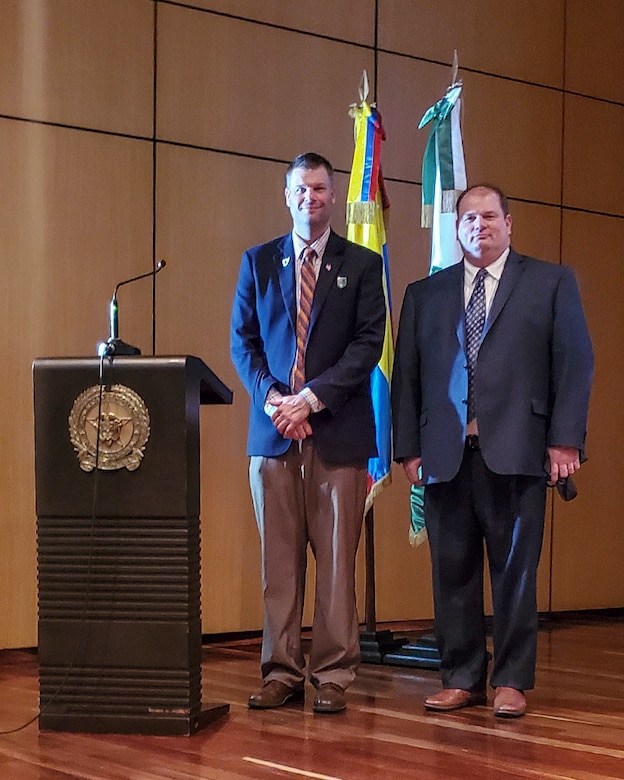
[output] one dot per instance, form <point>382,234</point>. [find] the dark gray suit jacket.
<point>533,375</point>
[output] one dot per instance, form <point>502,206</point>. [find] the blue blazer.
<point>345,339</point>
<point>532,380</point>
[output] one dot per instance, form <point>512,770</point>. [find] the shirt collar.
<point>319,245</point>
<point>495,269</point>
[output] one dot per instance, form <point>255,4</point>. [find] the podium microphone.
<point>114,345</point>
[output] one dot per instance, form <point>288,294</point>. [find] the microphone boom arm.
<point>114,345</point>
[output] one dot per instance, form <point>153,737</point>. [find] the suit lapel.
<point>284,260</point>
<point>456,302</point>
<point>511,273</point>
<point>332,260</point>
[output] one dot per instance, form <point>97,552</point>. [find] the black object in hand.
<point>566,488</point>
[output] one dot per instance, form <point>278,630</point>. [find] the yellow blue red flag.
<point>366,202</point>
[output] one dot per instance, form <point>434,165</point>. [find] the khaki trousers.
<point>301,500</point>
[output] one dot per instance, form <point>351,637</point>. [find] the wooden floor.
<point>574,728</point>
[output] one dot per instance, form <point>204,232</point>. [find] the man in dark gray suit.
<point>490,394</point>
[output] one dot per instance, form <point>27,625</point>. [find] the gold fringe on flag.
<point>361,213</point>
<point>426,215</point>
<point>449,201</point>
<point>416,538</point>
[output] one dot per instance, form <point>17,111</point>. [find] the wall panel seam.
<point>250,156</point>
<point>271,25</point>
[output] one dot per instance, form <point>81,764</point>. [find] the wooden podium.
<point>118,501</point>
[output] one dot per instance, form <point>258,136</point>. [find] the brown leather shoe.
<point>509,703</point>
<point>329,698</point>
<point>454,699</point>
<point>273,694</point>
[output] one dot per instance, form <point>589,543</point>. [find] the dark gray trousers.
<point>505,515</point>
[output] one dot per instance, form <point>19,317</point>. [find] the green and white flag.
<point>443,180</point>
<point>443,177</point>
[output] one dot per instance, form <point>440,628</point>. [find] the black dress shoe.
<point>273,694</point>
<point>329,698</point>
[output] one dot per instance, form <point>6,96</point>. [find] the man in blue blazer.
<point>307,330</point>
<point>484,435</point>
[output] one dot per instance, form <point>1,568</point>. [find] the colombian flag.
<point>366,201</point>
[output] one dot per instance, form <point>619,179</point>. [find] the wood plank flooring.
<point>574,728</point>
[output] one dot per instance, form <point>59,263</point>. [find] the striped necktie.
<point>306,295</point>
<point>475,320</point>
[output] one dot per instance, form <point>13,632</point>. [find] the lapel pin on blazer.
<point>341,281</point>
<point>328,266</point>
<point>285,261</point>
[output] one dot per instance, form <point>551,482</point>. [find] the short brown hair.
<point>496,190</point>
<point>310,161</point>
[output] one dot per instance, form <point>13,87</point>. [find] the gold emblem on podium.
<point>123,425</point>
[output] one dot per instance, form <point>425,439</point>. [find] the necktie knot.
<point>481,274</point>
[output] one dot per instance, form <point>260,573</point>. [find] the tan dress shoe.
<point>509,703</point>
<point>273,694</point>
<point>329,698</point>
<point>454,699</point>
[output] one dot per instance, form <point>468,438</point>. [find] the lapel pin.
<point>285,261</point>
<point>341,281</point>
<point>328,266</point>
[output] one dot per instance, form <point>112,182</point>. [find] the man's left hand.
<point>291,417</point>
<point>562,462</point>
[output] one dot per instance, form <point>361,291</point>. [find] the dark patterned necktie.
<point>475,320</point>
<point>306,295</point>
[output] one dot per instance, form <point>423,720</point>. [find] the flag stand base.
<point>382,647</point>
<point>376,645</point>
<point>420,654</point>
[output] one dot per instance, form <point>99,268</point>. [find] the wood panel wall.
<point>132,130</point>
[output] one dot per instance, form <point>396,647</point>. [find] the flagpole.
<point>376,647</point>
<point>366,201</point>
<point>371,593</point>
<point>443,177</point>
